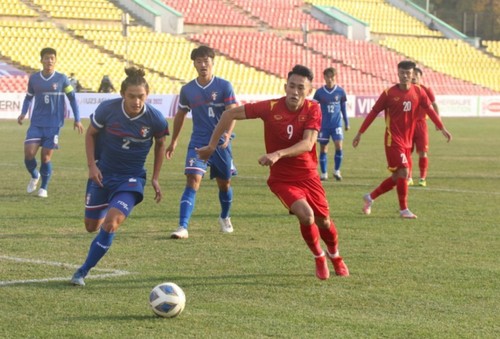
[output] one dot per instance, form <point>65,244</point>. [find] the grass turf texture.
<point>434,277</point>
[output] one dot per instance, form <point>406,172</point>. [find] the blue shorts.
<point>97,198</point>
<point>220,163</point>
<point>47,137</point>
<point>335,133</point>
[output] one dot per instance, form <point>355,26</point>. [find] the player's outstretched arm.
<point>226,121</point>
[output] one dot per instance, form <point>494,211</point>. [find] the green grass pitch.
<point>434,277</point>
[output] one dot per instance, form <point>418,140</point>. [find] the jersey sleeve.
<point>314,121</point>
<point>258,109</point>
<point>184,100</point>
<point>161,124</point>
<point>430,94</point>
<point>98,118</point>
<point>229,97</point>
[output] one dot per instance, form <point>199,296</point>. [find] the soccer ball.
<point>167,300</point>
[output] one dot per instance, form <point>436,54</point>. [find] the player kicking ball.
<point>291,126</point>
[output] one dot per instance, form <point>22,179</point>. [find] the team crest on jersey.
<point>54,86</point>
<point>214,95</point>
<point>396,98</point>
<point>302,117</point>
<point>145,131</point>
<point>278,117</point>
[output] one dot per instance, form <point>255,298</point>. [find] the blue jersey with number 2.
<point>124,142</point>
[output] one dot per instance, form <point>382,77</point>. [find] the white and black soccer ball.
<point>167,300</point>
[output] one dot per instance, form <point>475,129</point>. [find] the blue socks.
<point>226,199</point>
<point>31,167</point>
<point>339,155</point>
<point>98,248</point>
<point>186,207</point>
<point>46,172</point>
<point>323,162</point>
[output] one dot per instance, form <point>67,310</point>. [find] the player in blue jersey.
<point>332,99</point>
<point>48,88</point>
<point>206,97</point>
<point>117,143</point>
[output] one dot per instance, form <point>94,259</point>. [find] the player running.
<point>117,143</point>
<point>291,126</point>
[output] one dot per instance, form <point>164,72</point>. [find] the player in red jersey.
<point>400,104</point>
<point>421,134</point>
<point>291,126</point>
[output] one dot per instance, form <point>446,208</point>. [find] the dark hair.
<point>303,71</point>
<point>407,64</point>
<point>47,50</point>
<point>330,70</point>
<point>135,77</point>
<point>418,71</point>
<point>202,52</point>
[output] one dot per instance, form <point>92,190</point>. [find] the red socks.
<point>423,164</point>
<point>402,188</point>
<point>330,237</point>
<point>311,237</point>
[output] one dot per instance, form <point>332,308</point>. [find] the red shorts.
<point>309,189</point>
<point>397,157</point>
<point>421,137</point>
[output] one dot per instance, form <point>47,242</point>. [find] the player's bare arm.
<point>356,140</point>
<point>160,145</point>
<point>79,127</point>
<point>306,144</point>
<point>178,123</point>
<point>94,172</point>
<point>229,131</point>
<point>20,118</point>
<point>227,120</point>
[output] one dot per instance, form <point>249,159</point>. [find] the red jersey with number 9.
<point>284,128</point>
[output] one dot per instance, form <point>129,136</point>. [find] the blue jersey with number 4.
<point>123,143</point>
<point>206,104</point>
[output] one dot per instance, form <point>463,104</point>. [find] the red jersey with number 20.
<point>400,107</point>
<point>284,128</point>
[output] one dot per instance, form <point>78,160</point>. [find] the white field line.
<point>106,273</point>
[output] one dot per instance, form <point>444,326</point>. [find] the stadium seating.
<point>13,84</point>
<point>381,16</point>
<point>380,62</point>
<point>492,47</point>
<point>22,42</point>
<point>15,8</point>
<point>168,55</point>
<point>453,57</point>
<point>281,14</point>
<point>211,12</point>
<point>277,55</point>
<point>257,43</point>
<point>80,9</point>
